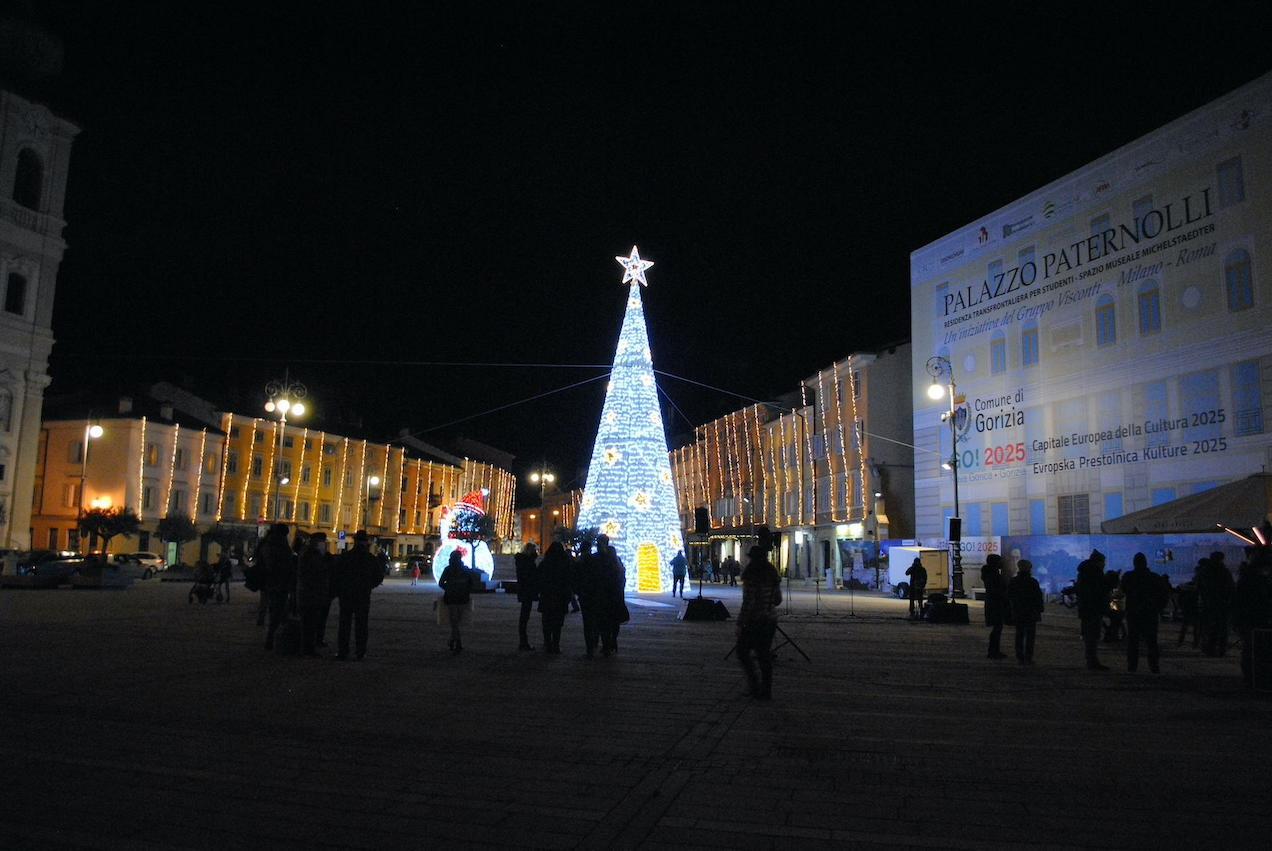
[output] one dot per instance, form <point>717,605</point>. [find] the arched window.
<point>1236,274</point>
<point>28,182</point>
<point>15,291</point>
<point>1105,321</point>
<point>1150,308</point>
<point>1029,343</point>
<point>997,352</point>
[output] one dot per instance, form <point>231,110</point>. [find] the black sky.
<point>282,182</point>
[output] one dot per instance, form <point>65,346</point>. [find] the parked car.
<point>151,560</point>
<point>132,566</point>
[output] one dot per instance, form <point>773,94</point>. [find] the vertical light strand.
<point>397,515</point>
<point>172,470</point>
<point>750,467</point>
<point>843,443</point>
<point>830,467</point>
<point>704,469</point>
<point>416,485</point>
<point>808,447</point>
<point>789,456</point>
<point>269,467</point>
<point>141,473</point>
<point>428,498</point>
<point>344,457</point>
<point>715,427</point>
<point>384,484</point>
<point>225,468</point>
<point>857,432</point>
<point>322,453</point>
<point>735,464</point>
<point>362,476</point>
<point>299,474</point>
<point>198,477</point>
<point>247,472</point>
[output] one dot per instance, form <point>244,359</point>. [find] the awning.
<point>1242,504</point>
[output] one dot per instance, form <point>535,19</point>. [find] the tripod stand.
<point>786,639</point>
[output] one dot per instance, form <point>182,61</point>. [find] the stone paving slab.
<point>133,719</point>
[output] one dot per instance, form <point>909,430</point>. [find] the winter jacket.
<point>1024,594</point>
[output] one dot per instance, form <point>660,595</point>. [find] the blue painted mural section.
<point>1055,557</point>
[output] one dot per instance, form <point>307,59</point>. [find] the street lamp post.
<point>543,477</point>
<point>284,397</point>
<point>939,366</point>
<point>92,431</point>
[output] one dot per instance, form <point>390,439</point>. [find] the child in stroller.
<point>204,584</point>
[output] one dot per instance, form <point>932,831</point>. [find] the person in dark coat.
<point>918,587</point>
<point>527,590</point>
<point>1144,595</point>
<point>587,584</point>
<point>457,588</point>
<point>612,591</point>
<point>1190,608</point>
<point>1093,602</point>
<point>1024,595</point>
<point>357,573</point>
<point>757,621</point>
<point>995,585</point>
<point>1251,610</point>
<point>275,560</point>
<point>555,592</point>
<point>1216,587</point>
<point>224,573</point>
<point>679,567</point>
<point>313,591</point>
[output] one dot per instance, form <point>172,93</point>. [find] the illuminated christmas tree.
<point>630,495</point>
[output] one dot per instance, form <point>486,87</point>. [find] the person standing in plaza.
<point>588,589</point>
<point>613,607</point>
<point>679,567</point>
<point>1216,586</point>
<point>358,573</point>
<point>277,563</point>
<point>457,588</point>
<point>224,572</point>
<point>527,590</point>
<point>313,591</point>
<point>995,585</point>
<point>1144,594</point>
<point>918,587</point>
<point>1024,595</point>
<point>555,593</point>
<point>1251,609</point>
<point>1093,602</point>
<point>757,622</point>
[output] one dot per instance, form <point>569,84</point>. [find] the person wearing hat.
<point>357,573</point>
<point>1024,595</point>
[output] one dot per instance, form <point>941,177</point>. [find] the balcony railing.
<point>45,225</point>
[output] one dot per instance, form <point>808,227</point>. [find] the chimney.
<point>125,404</point>
<point>165,411</point>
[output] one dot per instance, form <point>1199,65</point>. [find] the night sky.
<point>272,184</point>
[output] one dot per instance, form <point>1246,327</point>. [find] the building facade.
<point>1110,334</point>
<point>832,473</point>
<point>35,151</point>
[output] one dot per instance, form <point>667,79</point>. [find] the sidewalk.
<point>134,719</point>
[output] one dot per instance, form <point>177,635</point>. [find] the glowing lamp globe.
<point>935,391</point>
<point>95,431</point>
<point>298,409</point>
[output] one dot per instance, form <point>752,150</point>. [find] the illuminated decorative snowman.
<point>457,522</point>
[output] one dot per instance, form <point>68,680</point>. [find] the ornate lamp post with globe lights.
<point>285,397</point>
<point>939,367</point>
<point>92,431</point>
<point>542,477</point>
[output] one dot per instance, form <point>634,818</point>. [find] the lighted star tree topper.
<point>630,494</point>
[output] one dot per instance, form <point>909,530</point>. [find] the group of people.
<point>595,581</point>
<point>1211,603</point>
<point>304,579</point>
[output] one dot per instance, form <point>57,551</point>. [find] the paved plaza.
<point>132,719</point>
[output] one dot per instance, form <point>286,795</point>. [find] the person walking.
<point>995,585</point>
<point>415,572</point>
<point>313,591</point>
<point>1144,595</point>
<point>358,573</point>
<point>224,573</point>
<point>1024,596</point>
<point>555,593</point>
<point>277,563</point>
<point>1251,610</point>
<point>456,584</point>
<point>679,567</point>
<point>757,622</point>
<point>918,587</point>
<point>527,590</point>
<point>1093,602</point>
<point>612,586</point>
<point>734,569</point>
<point>1216,587</point>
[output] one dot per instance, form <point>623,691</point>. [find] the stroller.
<point>204,585</point>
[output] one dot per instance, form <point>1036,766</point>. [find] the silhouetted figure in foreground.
<point>358,572</point>
<point>611,587</point>
<point>918,587</point>
<point>555,591</point>
<point>1190,608</point>
<point>1145,595</point>
<point>587,589</point>
<point>276,561</point>
<point>757,622</point>
<point>995,585</point>
<point>1216,586</point>
<point>1024,595</point>
<point>679,567</point>
<point>457,589</point>
<point>1251,610</point>
<point>224,573</point>
<point>313,592</point>
<point>527,590</point>
<point>1093,602</point>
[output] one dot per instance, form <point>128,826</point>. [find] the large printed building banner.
<point>1110,335</point>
